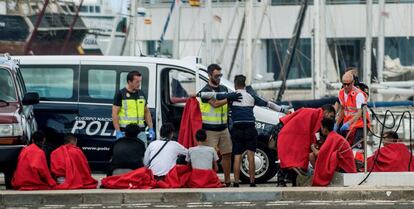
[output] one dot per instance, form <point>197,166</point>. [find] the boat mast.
<point>133,28</point>
<point>368,44</point>
<point>72,25</point>
<point>320,50</point>
<point>288,59</point>
<point>209,28</point>
<point>164,30</point>
<point>381,40</point>
<point>219,59</point>
<point>236,48</point>
<point>28,46</point>
<point>248,41</point>
<point>176,39</point>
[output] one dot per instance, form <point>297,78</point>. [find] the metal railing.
<point>403,129</point>
<point>284,2</point>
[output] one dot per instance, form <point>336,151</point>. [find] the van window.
<point>50,82</point>
<point>181,84</point>
<point>101,84</point>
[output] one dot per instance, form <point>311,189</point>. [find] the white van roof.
<point>187,62</point>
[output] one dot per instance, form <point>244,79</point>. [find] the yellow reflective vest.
<point>132,110</point>
<point>213,116</point>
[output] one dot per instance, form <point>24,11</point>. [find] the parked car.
<point>76,96</point>
<point>17,121</point>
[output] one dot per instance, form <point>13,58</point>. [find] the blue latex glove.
<point>151,133</point>
<point>119,134</point>
<point>345,127</point>
<point>336,127</point>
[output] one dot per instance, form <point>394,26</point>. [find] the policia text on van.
<point>77,93</point>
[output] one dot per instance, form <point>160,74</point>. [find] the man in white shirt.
<point>166,159</point>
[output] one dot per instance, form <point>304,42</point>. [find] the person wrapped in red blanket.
<point>203,161</point>
<point>32,172</point>
<point>160,157</point>
<point>69,165</point>
<point>201,174</point>
<point>392,157</point>
<point>141,178</point>
<point>334,155</point>
<point>177,177</point>
<point>295,138</point>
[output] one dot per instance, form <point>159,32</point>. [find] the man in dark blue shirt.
<point>243,133</point>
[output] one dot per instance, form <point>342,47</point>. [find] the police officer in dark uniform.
<point>130,106</point>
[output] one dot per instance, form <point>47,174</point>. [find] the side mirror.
<point>30,98</point>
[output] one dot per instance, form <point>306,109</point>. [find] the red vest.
<point>350,108</point>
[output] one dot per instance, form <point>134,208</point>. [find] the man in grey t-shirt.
<point>202,156</point>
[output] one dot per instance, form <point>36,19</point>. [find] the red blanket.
<point>177,177</point>
<point>393,157</point>
<point>182,176</point>
<point>68,161</point>
<point>32,172</point>
<point>204,179</point>
<point>296,136</point>
<point>335,154</point>
<point>141,178</point>
<point>190,123</point>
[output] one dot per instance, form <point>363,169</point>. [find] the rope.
<point>383,126</point>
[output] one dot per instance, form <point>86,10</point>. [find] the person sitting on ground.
<point>392,157</point>
<point>203,159</point>
<point>70,167</point>
<point>32,172</point>
<point>294,140</point>
<point>313,155</point>
<point>334,155</point>
<point>127,152</point>
<point>202,156</point>
<point>161,154</point>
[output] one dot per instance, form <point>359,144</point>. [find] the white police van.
<point>76,96</point>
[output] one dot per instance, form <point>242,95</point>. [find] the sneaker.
<point>252,185</point>
<point>235,184</point>
<point>227,184</point>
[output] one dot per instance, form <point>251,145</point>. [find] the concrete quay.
<point>181,196</point>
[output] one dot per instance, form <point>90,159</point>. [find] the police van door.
<point>177,84</point>
<point>57,86</point>
<point>99,83</point>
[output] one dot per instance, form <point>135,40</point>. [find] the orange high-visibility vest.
<point>350,108</point>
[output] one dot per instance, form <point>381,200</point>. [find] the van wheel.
<point>265,165</point>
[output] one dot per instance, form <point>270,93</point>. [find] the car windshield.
<point>7,88</point>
